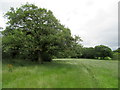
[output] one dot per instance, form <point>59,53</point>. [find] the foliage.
<point>99,58</point>
<point>34,32</point>
<point>107,58</point>
<point>78,51</point>
<point>117,50</point>
<point>74,51</point>
<point>99,52</point>
<point>103,51</point>
<point>88,52</point>
<point>116,56</point>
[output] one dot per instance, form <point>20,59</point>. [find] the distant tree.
<point>103,51</point>
<point>116,54</point>
<point>117,50</point>
<point>34,33</point>
<point>88,52</point>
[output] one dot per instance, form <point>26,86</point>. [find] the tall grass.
<point>0,74</point>
<point>76,73</point>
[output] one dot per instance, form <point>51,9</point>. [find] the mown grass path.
<point>62,73</point>
<point>91,74</point>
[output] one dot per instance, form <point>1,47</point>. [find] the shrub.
<point>107,58</point>
<point>99,58</point>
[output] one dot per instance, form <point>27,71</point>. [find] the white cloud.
<point>96,21</point>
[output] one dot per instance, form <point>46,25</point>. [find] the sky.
<point>95,21</point>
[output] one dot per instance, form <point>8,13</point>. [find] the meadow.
<point>61,73</point>
<point>0,74</point>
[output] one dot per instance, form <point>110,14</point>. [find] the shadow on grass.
<point>28,63</point>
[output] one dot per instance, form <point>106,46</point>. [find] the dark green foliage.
<point>72,51</point>
<point>46,57</point>
<point>88,52</point>
<point>99,52</point>
<point>35,33</point>
<point>103,51</point>
<point>76,49</point>
<point>118,50</point>
<point>116,56</point>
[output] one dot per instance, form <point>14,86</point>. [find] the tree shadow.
<point>28,63</point>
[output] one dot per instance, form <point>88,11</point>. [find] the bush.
<point>116,56</point>
<point>100,58</point>
<point>107,58</point>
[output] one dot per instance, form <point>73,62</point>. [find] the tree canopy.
<point>35,32</point>
<point>103,51</point>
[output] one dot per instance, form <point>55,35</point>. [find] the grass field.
<point>0,75</point>
<point>61,73</point>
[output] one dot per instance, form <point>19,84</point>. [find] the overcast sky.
<point>95,21</point>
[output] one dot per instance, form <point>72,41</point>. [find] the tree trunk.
<point>40,59</point>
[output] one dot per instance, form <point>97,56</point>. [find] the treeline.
<point>98,52</point>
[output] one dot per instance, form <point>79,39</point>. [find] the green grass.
<point>0,75</point>
<point>62,73</point>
